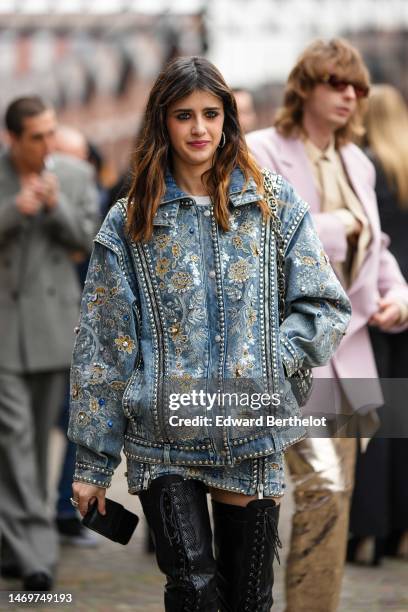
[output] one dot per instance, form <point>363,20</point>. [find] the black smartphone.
<point>118,524</point>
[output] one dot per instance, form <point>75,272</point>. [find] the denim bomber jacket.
<point>196,302</point>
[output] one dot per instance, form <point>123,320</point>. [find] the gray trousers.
<point>29,405</point>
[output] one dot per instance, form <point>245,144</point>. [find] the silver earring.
<point>223,141</point>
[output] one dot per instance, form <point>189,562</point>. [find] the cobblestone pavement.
<point>124,578</point>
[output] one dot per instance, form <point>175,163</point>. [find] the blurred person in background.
<point>379,511</point>
<point>175,293</point>
<point>48,211</point>
<point>72,142</point>
<point>246,109</point>
<point>105,175</point>
<point>311,146</point>
<point>122,185</point>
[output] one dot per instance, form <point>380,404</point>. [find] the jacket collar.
<point>237,195</point>
<point>174,195</point>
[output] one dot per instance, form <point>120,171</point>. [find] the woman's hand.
<point>388,315</point>
<point>86,495</point>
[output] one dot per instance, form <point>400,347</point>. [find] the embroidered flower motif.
<point>182,381</point>
<point>194,257</point>
<point>246,227</point>
<point>93,405</point>
<point>118,385</point>
<point>241,369</point>
<point>237,242</point>
<point>162,266</point>
<point>181,282</point>
<point>76,391</point>
<point>239,271</point>
<point>177,378</point>
<point>97,298</point>
<point>83,419</point>
<point>233,293</point>
<point>175,249</point>
<point>177,335</point>
<point>251,316</point>
<point>125,344</point>
<point>308,261</point>
<point>98,374</point>
<point>174,329</point>
<point>162,240</point>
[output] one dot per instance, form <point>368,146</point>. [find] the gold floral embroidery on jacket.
<point>125,343</point>
<point>106,344</point>
<point>180,283</point>
<point>239,271</point>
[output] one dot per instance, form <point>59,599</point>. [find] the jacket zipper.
<point>260,487</point>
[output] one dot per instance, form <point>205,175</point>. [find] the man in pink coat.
<point>311,146</point>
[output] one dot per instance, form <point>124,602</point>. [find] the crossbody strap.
<point>301,382</point>
<point>276,227</point>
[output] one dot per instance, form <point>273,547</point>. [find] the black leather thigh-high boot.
<point>246,542</point>
<point>177,513</point>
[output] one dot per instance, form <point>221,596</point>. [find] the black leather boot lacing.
<point>265,530</point>
<point>173,531</point>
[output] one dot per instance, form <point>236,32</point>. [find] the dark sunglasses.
<point>360,90</point>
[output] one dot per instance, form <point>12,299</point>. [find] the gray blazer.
<point>39,286</point>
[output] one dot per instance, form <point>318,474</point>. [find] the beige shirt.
<point>338,197</point>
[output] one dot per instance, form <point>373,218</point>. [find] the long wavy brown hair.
<point>153,155</point>
<point>319,59</point>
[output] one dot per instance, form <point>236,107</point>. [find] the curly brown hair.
<point>152,157</point>
<point>319,59</point>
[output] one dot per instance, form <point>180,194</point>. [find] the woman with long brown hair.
<point>187,343</point>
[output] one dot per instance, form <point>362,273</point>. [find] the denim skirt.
<point>262,475</point>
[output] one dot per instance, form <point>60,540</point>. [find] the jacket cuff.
<point>290,358</point>
<point>93,474</point>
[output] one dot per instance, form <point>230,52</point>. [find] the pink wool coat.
<point>379,275</point>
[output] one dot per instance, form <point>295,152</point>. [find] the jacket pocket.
<point>133,404</point>
<point>137,406</point>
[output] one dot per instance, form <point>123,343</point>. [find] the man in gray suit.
<point>48,217</point>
